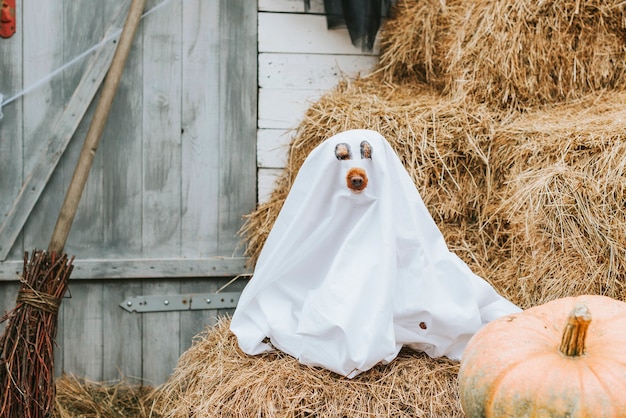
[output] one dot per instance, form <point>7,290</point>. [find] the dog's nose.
<point>356,179</point>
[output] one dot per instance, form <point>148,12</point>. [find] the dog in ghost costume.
<point>355,268</point>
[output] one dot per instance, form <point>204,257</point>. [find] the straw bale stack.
<point>563,199</point>
<point>510,53</point>
<point>510,118</point>
<point>215,378</point>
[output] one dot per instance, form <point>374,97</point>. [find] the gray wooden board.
<point>141,268</point>
<point>122,145</point>
<point>176,169</point>
<point>122,341</point>
<point>237,140</point>
<point>11,145</point>
<point>85,236</point>
<point>194,322</point>
<point>99,340</point>
<point>48,156</point>
<point>82,340</point>
<point>174,174</point>
<point>200,151</point>
<point>160,336</point>
<point>8,293</point>
<point>45,50</point>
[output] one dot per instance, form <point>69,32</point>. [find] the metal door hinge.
<point>190,302</point>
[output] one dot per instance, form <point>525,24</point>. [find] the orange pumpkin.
<point>551,360</point>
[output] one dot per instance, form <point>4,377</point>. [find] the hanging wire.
<point>114,36</point>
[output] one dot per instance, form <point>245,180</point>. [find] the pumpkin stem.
<point>575,333</point>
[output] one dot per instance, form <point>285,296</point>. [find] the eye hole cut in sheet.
<point>355,268</point>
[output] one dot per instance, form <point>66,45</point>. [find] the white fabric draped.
<point>346,279</point>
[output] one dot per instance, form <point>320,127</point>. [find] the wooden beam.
<point>61,133</point>
<point>142,268</point>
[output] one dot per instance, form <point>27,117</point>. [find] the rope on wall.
<point>114,36</point>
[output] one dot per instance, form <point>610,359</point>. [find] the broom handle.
<point>87,153</point>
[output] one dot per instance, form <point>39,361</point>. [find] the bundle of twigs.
<point>27,356</point>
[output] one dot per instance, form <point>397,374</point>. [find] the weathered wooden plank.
<point>161,215</point>
<point>121,145</point>
<point>85,235</point>
<point>11,145</point>
<point>303,34</point>
<point>161,131</point>
<point>273,147</point>
<point>122,344</point>
<point>310,71</point>
<point>290,6</point>
<point>43,51</point>
<point>237,132</point>
<point>200,121</point>
<point>267,182</point>
<point>284,108</point>
<point>48,156</point>
<point>141,267</point>
<point>82,338</point>
<point>194,322</point>
<point>160,335</point>
<point>8,294</point>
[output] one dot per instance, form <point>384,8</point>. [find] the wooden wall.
<point>299,60</point>
<point>173,176</point>
<point>185,150</point>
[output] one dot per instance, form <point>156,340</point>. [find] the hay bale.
<point>78,397</point>
<point>512,54</point>
<point>443,144</point>
<point>563,199</point>
<point>532,202</point>
<point>215,378</point>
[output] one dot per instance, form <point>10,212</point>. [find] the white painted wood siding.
<point>299,60</point>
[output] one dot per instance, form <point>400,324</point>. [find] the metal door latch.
<point>190,302</point>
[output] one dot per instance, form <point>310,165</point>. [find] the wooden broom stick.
<point>87,153</point>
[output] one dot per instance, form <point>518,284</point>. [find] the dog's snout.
<point>356,179</point>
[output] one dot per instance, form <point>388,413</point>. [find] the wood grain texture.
<point>160,335</point>
<point>141,267</point>
<point>44,54</point>
<point>284,108</point>
<point>273,147</point>
<point>238,62</point>
<point>310,71</point>
<point>121,331</point>
<point>11,144</point>
<point>201,114</point>
<point>49,155</point>
<point>122,147</point>
<point>161,160</point>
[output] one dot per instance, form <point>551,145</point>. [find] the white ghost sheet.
<point>346,278</point>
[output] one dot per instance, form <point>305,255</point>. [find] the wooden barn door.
<point>173,176</point>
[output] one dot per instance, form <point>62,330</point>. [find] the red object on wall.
<point>7,18</point>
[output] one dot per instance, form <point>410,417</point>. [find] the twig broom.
<point>27,346</point>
